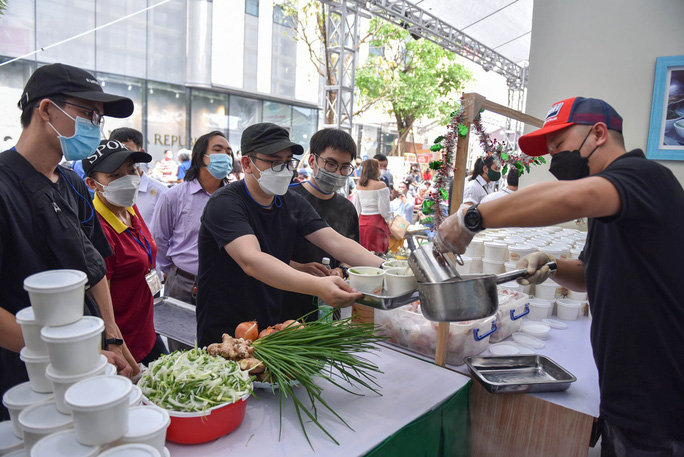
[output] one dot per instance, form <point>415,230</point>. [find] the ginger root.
<point>252,365</point>
<point>231,348</point>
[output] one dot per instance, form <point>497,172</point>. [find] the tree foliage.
<point>413,79</point>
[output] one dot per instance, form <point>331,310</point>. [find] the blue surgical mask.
<point>83,142</point>
<point>219,165</point>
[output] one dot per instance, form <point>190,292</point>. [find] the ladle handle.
<point>515,274</point>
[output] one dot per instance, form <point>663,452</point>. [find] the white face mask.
<point>123,191</point>
<point>272,182</point>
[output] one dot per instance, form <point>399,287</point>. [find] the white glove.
<point>533,262</point>
<point>453,236</point>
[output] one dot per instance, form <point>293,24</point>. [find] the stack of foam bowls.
<point>494,257</point>
<point>17,399</point>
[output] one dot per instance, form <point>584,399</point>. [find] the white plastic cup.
<point>56,296</point>
<point>20,397</point>
<point>134,449</point>
<point>568,310</point>
<point>99,406</point>
<point>147,425</point>
<point>467,265</point>
<point>539,309</point>
<point>74,348</point>
<point>369,280</point>
<point>580,296</point>
<point>495,251</point>
<point>41,420</point>
<point>30,330</point>
<point>546,290</point>
<point>60,383</point>
<point>476,248</point>
<point>35,367</point>
<point>63,444</point>
<point>493,267</point>
<point>399,281</point>
<point>518,251</point>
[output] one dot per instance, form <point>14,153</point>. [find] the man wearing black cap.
<point>248,233</point>
<point>636,217</point>
<point>46,218</point>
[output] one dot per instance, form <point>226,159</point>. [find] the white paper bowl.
<point>99,406</point>
<point>20,397</point>
<point>567,309</point>
<point>132,450</point>
<point>147,425</point>
<point>35,367</point>
<point>492,267</point>
<point>60,383</point>
<point>9,442</point>
<point>518,251</point>
<point>679,127</point>
<point>369,280</point>
<point>537,329</point>
<point>74,348</point>
<point>539,309</point>
<point>399,281</point>
<point>394,263</point>
<point>63,444</point>
<point>41,420</point>
<point>494,251</point>
<point>56,296</point>
<point>30,329</point>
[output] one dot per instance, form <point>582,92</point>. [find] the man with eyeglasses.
<point>247,238</point>
<point>47,220</point>
<point>331,159</point>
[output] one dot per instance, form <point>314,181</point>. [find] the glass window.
<point>17,31</point>
<point>252,7</point>
<point>127,87</point>
<point>281,17</point>
<point>278,113</point>
<point>304,124</point>
<point>166,42</point>
<point>243,113</point>
<point>284,61</point>
<point>387,140</point>
<point>208,113</point>
<point>122,48</point>
<point>250,53</point>
<point>13,77</point>
<point>57,22</point>
<point>376,51</point>
<point>166,118</point>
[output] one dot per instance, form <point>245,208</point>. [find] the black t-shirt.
<point>632,267</point>
<point>41,229</point>
<point>341,215</point>
<point>226,295</point>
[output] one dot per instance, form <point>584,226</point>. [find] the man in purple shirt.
<point>176,220</point>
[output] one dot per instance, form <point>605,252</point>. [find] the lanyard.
<point>145,246</point>
<point>276,199</point>
<point>312,185</point>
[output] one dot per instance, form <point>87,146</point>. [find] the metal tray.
<point>175,319</point>
<point>386,301</point>
<point>519,374</point>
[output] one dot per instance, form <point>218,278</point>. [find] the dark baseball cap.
<point>571,111</point>
<point>110,155</point>
<point>60,79</point>
<point>267,138</point>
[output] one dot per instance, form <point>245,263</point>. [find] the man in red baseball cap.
<point>635,208</point>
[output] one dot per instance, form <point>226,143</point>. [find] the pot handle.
<point>524,313</point>
<point>515,274</point>
<point>478,337</point>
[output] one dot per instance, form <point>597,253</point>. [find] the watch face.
<point>472,219</point>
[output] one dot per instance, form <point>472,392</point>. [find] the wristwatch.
<point>345,272</point>
<point>473,219</point>
<point>114,341</point>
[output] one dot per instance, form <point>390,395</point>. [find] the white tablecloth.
<point>409,387</point>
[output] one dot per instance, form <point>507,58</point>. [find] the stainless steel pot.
<point>430,265</point>
<point>468,298</point>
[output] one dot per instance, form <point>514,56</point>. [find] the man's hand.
<point>123,352</point>
<point>337,272</point>
<point>122,366</point>
<point>336,292</point>
<point>452,235</point>
<point>312,268</point>
<point>536,268</point>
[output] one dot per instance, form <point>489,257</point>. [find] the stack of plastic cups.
<point>475,251</point>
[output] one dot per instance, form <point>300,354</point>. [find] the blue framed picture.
<point>666,131</point>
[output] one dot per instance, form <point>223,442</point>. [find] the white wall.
<point>602,49</point>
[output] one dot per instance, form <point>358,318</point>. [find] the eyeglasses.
<point>278,165</point>
<point>96,118</point>
<point>332,166</point>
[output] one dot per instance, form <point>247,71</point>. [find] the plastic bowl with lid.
<point>9,442</point>
<point>41,420</point>
<point>30,330</point>
<point>147,425</point>
<point>495,250</point>
<point>100,408</point>
<point>546,290</point>
<point>63,444</point>
<point>136,396</point>
<point>20,397</point>
<point>492,267</point>
<point>132,450</point>
<point>74,348</point>
<point>540,309</point>
<point>567,309</point>
<point>537,329</point>
<point>35,367</point>
<point>56,296</point>
<point>60,383</point>
<point>518,251</point>
<point>475,248</point>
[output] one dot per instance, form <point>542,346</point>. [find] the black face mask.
<point>569,165</point>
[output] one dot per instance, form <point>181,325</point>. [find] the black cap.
<point>60,79</point>
<point>267,138</point>
<point>110,155</point>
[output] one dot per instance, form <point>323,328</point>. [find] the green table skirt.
<point>442,432</point>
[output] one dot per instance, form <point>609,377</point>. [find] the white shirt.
<point>496,195</point>
<point>370,202</point>
<point>150,190</point>
<point>476,190</point>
